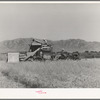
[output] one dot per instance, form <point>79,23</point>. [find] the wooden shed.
<point>13,57</point>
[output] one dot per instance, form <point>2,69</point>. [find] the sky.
<point>50,21</point>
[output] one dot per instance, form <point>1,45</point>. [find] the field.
<point>51,74</point>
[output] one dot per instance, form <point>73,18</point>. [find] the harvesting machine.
<point>38,51</point>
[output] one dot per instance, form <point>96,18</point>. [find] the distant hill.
<point>22,44</point>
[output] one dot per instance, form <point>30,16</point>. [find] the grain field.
<point>51,74</point>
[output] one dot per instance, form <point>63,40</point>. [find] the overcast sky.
<point>50,21</point>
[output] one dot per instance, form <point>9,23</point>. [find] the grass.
<point>52,74</point>
<point>6,83</point>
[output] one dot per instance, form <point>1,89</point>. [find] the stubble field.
<point>51,74</point>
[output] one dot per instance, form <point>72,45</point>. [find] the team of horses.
<point>66,56</point>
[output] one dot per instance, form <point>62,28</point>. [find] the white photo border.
<point>50,93</point>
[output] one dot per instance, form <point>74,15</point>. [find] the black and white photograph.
<point>49,45</point>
